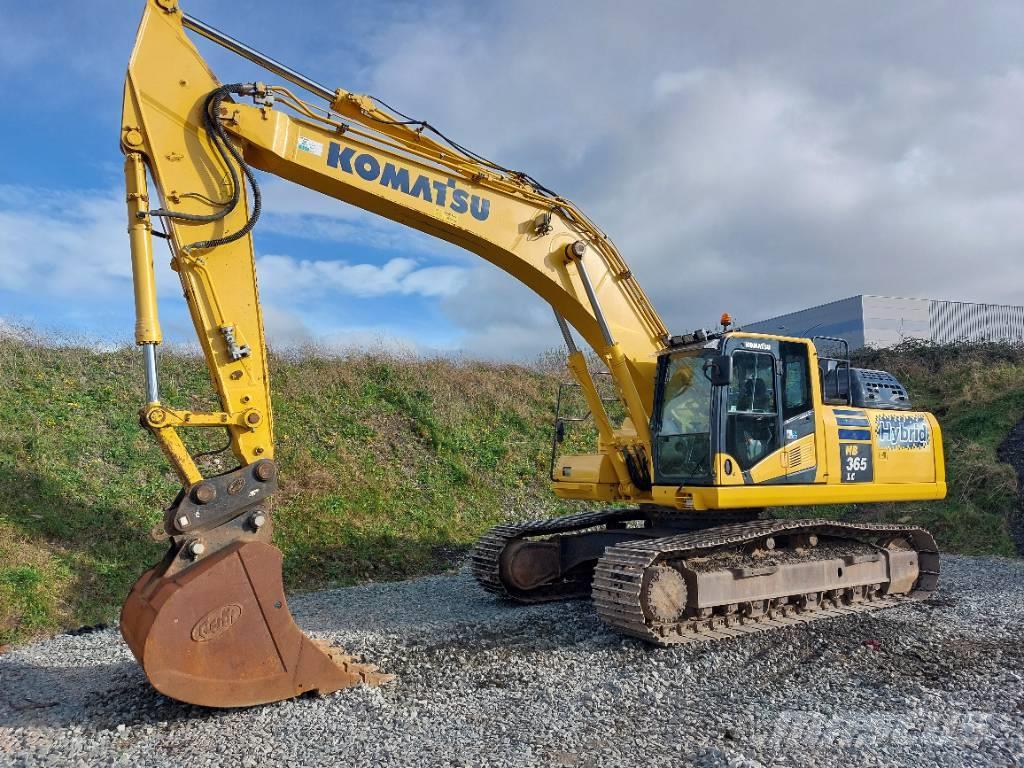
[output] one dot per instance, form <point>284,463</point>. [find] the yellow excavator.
<point>717,426</point>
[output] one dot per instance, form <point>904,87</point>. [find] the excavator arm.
<point>209,624</point>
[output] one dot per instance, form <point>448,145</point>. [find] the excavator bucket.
<point>219,633</point>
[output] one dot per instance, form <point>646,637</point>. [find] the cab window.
<point>752,389</point>
<point>796,379</point>
<point>683,444</point>
<point>752,423</point>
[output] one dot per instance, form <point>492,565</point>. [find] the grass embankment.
<point>389,466</point>
<point>977,393</point>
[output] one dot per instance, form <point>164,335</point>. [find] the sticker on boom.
<point>902,432</point>
<point>216,622</point>
<point>310,146</point>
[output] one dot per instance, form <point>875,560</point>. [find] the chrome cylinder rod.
<point>243,50</point>
<point>566,333</point>
<point>594,304</point>
<point>152,386</point>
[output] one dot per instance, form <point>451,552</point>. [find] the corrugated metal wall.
<point>882,321</point>
<point>950,321</point>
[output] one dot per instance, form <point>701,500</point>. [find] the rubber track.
<point>485,560</point>
<point>618,578</point>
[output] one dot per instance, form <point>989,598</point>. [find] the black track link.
<point>618,577</point>
<point>485,559</point>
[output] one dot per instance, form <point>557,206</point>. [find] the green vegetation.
<point>390,466</point>
<point>977,393</point>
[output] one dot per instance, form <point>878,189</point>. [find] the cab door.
<point>752,426</point>
<point>797,407</point>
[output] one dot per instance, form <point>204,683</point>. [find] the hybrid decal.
<point>445,194</point>
<point>902,432</point>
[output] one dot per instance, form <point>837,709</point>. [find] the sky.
<point>755,158</point>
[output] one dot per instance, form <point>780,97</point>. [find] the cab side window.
<point>752,418</point>
<point>796,380</point>
<point>752,389</point>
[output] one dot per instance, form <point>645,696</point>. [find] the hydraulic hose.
<point>222,143</point>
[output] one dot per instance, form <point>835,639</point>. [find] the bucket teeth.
<point>369,674</point>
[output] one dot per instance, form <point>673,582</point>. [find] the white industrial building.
<point>882,321</point>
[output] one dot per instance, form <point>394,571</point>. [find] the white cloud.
<point>501,318</point>
<point>301,279</point>
<point>754,161</point>
<point>68,244</point>
<point>70,248</point>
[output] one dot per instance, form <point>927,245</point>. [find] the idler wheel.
<point>664,594</point>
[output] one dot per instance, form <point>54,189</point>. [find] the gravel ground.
<point>482,683</point>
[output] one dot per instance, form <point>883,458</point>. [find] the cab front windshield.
<point>684,435</point>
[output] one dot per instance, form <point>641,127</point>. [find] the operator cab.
<point>723,408</point>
